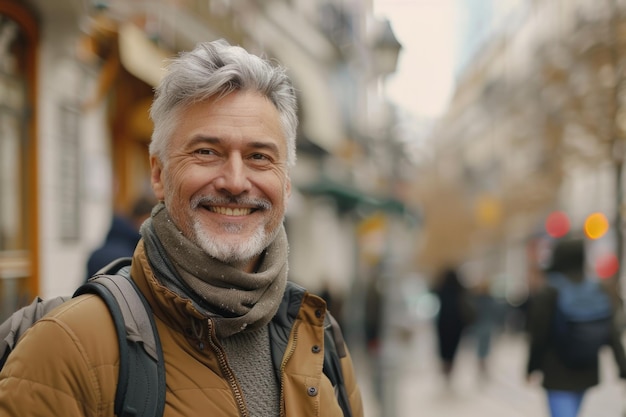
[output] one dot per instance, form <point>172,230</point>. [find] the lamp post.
<point>385,48</point>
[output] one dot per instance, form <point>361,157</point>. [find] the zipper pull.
<point>198,332</point>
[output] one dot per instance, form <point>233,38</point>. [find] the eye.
<point>204,151</point>
<point>260,160</point>
<point>259,157</point>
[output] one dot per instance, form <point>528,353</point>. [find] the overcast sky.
<point>423,82</point>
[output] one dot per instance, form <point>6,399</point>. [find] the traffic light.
<point>557,224</point>
<point>607,265</point>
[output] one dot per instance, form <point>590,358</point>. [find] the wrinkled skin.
<point>225,179</point>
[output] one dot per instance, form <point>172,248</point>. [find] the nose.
<point>234,176</point>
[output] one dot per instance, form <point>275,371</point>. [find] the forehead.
<point>241,113</point>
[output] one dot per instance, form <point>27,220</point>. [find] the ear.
<point>156,178</point>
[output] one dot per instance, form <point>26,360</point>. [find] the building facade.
<point>535,126</point>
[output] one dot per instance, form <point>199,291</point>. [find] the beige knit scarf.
<point>236,300</point>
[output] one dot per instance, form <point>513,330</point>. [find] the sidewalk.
<point>420,391</point>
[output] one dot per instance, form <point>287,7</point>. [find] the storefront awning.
<point>140,56</point>
<point>349,198</point>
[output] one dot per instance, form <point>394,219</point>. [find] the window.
<point>18,229</point>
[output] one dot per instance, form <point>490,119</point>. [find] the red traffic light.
<point>557,224</point>
<point>607,265</point>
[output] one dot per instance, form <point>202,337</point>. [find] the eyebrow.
<point>265,145</point>
<point>204,139</point>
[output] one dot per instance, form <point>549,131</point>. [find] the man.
<point>122,237</point>
<point>238,339</point>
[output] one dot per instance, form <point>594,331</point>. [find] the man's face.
<point>225,181</point>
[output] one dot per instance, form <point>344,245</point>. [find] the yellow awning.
<point>140,56</point>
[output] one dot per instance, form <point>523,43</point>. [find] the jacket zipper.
<point>288,353</point>
<point>221,358</point>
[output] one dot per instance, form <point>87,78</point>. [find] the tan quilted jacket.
<point>67,363</point>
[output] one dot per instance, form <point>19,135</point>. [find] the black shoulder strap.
<point>141,382</point>
<point>334,350</point>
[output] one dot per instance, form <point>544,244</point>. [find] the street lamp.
<point>385,48</point>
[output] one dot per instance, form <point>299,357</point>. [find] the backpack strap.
<point>141,380</point>
<point>334,350</point>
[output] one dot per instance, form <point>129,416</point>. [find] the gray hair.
<point>215,69</point>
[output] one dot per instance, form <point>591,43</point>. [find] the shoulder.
<point>78,333</point>
<point>82,324</point>
<point>71,351</point>
<point>80,311</point>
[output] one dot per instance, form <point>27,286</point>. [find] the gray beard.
<point>233,253</point>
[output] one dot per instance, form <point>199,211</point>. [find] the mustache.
<point>258,203</point>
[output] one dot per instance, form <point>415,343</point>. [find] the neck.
<point>235,298</point>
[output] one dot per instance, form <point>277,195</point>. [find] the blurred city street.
<point>471,135</point>
<point>420,390</point>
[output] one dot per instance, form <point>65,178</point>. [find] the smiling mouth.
<point>229,211</point>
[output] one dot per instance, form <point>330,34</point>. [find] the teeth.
<point>231,211</point>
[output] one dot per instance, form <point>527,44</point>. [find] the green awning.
<point>349,198</point>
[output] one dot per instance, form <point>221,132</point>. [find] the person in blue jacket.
<point>122,237</point>
<point>570,295</point>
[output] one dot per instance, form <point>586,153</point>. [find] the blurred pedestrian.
<point>122,237</point>
<point>373,328</point>
<point>456,312</point>
<point>569,318</point>
<point>483,327</point>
